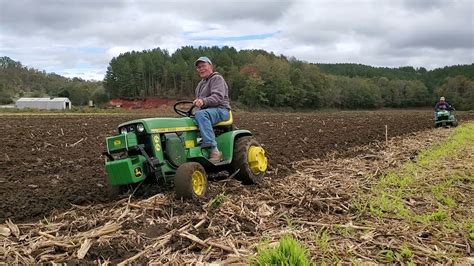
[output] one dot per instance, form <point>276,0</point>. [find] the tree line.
<point>18,81</point>
<point>255,78</point>
<point>432,79</point>
<point>260,78</point>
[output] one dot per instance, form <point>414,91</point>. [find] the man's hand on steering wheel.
<point>198,103</point>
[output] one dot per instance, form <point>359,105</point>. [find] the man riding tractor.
<point>181,151</point>
<point>444,114</point>
<point>167,150</point>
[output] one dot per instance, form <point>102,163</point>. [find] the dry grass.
<point>325,205</point>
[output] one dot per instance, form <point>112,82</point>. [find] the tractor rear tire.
<point>240,161</point>
<point>190,181</point>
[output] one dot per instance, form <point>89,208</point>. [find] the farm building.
<point>49,103</point>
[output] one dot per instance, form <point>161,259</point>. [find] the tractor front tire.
<point>249,160</point>
<point>190,181</point>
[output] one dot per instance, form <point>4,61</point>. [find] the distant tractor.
<point>445,118</point>
<point>167,150</point>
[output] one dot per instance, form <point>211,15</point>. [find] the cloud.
<point>30,16</point>
<point>447,28</point>
<point>211,11</point>
<point>370,33</point>
<point>424,5</point>
<point>83,36</point>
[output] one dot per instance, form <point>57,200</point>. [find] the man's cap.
<point>203,59</point>
<point>441,99</point>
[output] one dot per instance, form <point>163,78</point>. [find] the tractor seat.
<point>227,122</point>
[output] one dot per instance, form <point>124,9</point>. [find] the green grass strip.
<point>287,252</point>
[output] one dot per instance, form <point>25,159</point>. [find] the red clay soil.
<point>49,162</point>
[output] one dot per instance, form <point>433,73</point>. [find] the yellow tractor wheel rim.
<point>257,160</point>
<point>199,182</point>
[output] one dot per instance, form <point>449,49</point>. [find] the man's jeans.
<point>205,118</point>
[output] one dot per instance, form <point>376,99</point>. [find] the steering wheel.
<point>183,112</point>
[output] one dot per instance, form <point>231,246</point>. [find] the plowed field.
<point>49,162</point>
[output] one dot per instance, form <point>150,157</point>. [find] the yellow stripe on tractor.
<point>173,129</point>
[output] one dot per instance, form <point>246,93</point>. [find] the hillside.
<point>432,78</point>
<point>260,78</point>
<point>255,78</point>
<point>17,81</point>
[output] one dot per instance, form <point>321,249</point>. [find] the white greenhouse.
<point>58,103</point>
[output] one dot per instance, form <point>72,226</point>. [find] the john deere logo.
<point>138,172</point>
<point>117,142</point>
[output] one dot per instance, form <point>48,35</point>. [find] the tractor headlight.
<point>123,130</point>
<point>140,128</point>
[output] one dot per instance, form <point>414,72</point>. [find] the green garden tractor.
<point>445,118</point>
<point>167,150</point>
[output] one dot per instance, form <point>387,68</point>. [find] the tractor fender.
<point>226,141</point>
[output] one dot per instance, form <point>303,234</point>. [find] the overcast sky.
<point>79,37</point>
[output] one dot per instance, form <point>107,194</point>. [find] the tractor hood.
<point>442,112</point>
<point>158,125</point>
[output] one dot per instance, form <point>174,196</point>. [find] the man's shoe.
<point>215,157</point>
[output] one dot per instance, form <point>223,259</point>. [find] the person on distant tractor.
<point>442,104</point>
<point>212,97</point>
